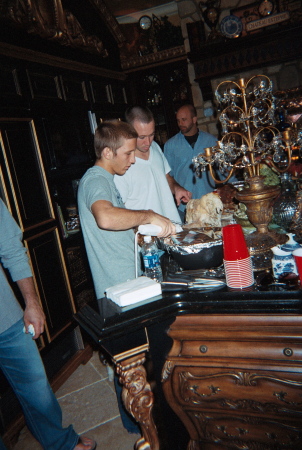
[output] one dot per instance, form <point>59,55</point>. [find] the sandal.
<point>85,443</point>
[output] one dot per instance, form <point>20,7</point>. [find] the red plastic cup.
<point>239,273</point>
<point>234,245</point>
<point>298,258</point>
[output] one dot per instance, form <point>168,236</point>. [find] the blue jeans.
<point>2,446</point>
<point>21,363</point>
<point>128,421</point>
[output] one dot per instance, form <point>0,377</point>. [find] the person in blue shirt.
<point>181,149</point>
<point>20,359</point>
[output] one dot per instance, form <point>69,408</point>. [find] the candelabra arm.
<point>228,82</point>
<point>257,76</point>
<point>225,180</point>
<point>282,170</point>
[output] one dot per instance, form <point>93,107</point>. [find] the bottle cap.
<point>147,239</point>
<point>149,229</point>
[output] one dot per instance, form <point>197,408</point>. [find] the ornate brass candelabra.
<point>249,140</point>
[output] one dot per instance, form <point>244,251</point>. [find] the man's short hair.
<point>112,134</point>
<point>140,113</point>
<point>190,107</point>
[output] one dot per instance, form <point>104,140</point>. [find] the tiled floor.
<point>88,401</point>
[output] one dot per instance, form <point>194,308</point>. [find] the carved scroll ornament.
<point>167,370</point>
<point>138,400</point>
<point>48,19</point>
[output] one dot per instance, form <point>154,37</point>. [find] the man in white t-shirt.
<point>147,184</point>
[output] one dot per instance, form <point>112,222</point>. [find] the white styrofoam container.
<point>133,291</point>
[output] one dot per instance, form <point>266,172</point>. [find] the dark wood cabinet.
<point>55,87</point>
<point>109,98</point>
<point>46,148</point>
<point>23,174</point>
<point>163,89</point>
<point>46,145</point>
<point>26,193</point>
<point>235,380</point>
<point>51,278</point>
<point>44,86</point>
<point>25,190</point>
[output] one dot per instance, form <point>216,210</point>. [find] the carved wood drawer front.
<point>263,406</point>
<point>236,389</point>
<point>284,351</point>
<point>248,433</point>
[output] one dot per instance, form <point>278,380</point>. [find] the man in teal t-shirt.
<point>106,224</point>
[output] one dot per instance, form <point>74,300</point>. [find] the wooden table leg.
<point>138,399</point>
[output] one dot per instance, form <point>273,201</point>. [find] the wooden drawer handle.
<point>288,352</point>
<point>203,349</point>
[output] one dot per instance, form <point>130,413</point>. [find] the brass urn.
<point>259,199</point>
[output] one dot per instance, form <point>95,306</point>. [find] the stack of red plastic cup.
<point>236,258</point>
<point>298,259</point>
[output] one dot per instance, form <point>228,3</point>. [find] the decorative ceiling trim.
<point>222,59</point>
<point>49,20</point>
<point>168,9</point>
<point>137,62</point>
<point>110,20</point>
<point>55,61</point>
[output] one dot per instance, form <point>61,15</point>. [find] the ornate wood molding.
<point>250,52</point>
<point>110,20</point>
<point>56,61</point>
<point>137,62</point>
<point>167,370</point>
<point>49,20</point>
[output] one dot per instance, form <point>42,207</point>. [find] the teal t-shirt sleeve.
<point>94,191</point>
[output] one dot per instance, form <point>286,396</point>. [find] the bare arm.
<point>109,217</point>
<point>33,313</point>
<point>180,193</point>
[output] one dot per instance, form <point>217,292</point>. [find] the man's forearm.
<point>118,219</point>
<point>172,183</point>
<point>180,193</point>
<point>28,291</point>
<point>112,218</point>
<point>33,314</point>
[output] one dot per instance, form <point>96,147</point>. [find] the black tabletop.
<point>105,320</point>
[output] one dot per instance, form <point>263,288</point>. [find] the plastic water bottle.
<point>151,259</point>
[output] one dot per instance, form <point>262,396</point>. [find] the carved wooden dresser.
<point>225,367</point>
<point>235,381</point>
